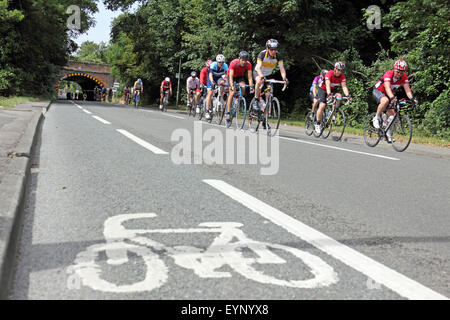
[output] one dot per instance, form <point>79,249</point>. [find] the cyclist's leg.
<point>322,95</point>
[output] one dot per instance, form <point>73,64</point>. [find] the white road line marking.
<point>141,142</point>
<point>77,105</point>
<point>342,149</point>
<point>101,120</point>
<point>88,112</point>
<point>393,280</point>
<point>163,113</point>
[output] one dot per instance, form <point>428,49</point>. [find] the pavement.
<point>19,129</point>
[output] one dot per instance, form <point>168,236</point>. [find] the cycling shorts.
<point>322,95</point>
<point>377,95</point>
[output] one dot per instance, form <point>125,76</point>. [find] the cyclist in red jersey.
<point>333,79</point>
<point>384,92</point>
<point>166,88</point>
<point>236,73</point>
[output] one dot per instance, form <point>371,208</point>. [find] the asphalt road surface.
<point>112,214</point>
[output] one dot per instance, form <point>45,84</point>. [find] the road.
<point>110,214</point>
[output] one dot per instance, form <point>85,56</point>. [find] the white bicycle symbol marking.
<point>204,262</point>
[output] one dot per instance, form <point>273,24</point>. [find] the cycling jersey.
<point>238,70</point>
<point>138,85</point>
<point>193,83</point>
<point>166,85</point>
<point>203,75</point>
<point>335,82</point>
<point>267,63</point>
<point>316,82</point>
<point>216,70</point>
<point>395,82</point>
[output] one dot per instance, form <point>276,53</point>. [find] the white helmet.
<point>220,58</point>
<point>167,79</point>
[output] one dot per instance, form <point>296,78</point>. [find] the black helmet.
<point>272,43</point>
<point>244,55</point>
<point>323,72</point>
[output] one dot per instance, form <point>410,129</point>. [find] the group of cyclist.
<point>323,89</point>
<point>325,85</point>
<point>237,72</point>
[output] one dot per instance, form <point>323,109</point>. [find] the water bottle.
<point>262,103</point>
<point>384,119</point>
<point>328,114</point>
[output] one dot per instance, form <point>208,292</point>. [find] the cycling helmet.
<point>243,55</point>
<point>400,65</point>
<point>323,72</point>
<point>272,43</point>
<point>139,80</point>
<point>339,65</point>
<point>220,58</point>
<point>193,74</point>
<point>167,79</point>
<point>208,63</point>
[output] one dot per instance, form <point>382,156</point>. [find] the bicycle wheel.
<point>241,113</point>
<point>220,112</point>
<point>371,135</point>
<point>402,133</point>
<point>253,120</point>
<point>337,125</point>
<point>202,109</point>
<point>88,269</point>
<point>273,117</point>
<point>309,123</point>
<point>321,274</point>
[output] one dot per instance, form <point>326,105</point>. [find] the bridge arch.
<point>86,81</point>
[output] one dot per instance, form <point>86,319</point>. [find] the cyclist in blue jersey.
<point>216,70</point>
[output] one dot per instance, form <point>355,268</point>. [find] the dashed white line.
<point>101,120</point>
<point>141,142</point>
<point>88,112</point>
<point>393,280</point>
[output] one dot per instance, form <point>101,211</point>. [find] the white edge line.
<point>88,112</point>
<point>392,279</point>
<point>101,120</point>
<point>342,149</point>
<point>141,142</point>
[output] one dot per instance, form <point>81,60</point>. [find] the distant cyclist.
<point>317,82</point>
<point>165,89</point>
<point>216,70</point>
<point>126,95</point>
<point>265,64</point>
<point>138,86</point>
<point>193,85</point>
<point>384,92</point>
<point>333,80</point>
<point>236,73</point>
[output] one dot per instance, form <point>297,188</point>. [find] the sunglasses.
<point>272,49</point>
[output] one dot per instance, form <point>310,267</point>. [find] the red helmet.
<point>208,63</point>
<point>339,65</point>
<point>400,65</point>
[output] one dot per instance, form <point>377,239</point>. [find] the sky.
<point>100,32</point>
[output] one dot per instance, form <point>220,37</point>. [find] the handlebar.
<point>277,81</point>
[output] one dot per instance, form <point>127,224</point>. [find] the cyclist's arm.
<point>258,69</point>
<point>210,76</point>
<point>328,86</point>
<point>231,75</point>
<point>387,87</point>
<point>250,77</point>
<point>345,89</point>
<point>282,70</point>
<point>408,90</point>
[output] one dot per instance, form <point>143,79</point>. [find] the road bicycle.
<point>230,247</point>
<point>333,120</point>
<point>270,114</point>
<point>399,124</point>
<point>202,104</point>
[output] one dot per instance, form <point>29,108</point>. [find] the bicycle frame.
<point>390,124</point>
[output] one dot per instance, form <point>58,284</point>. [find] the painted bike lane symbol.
<point>226,249</point>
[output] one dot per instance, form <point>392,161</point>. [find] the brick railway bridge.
<point>88,76</point>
